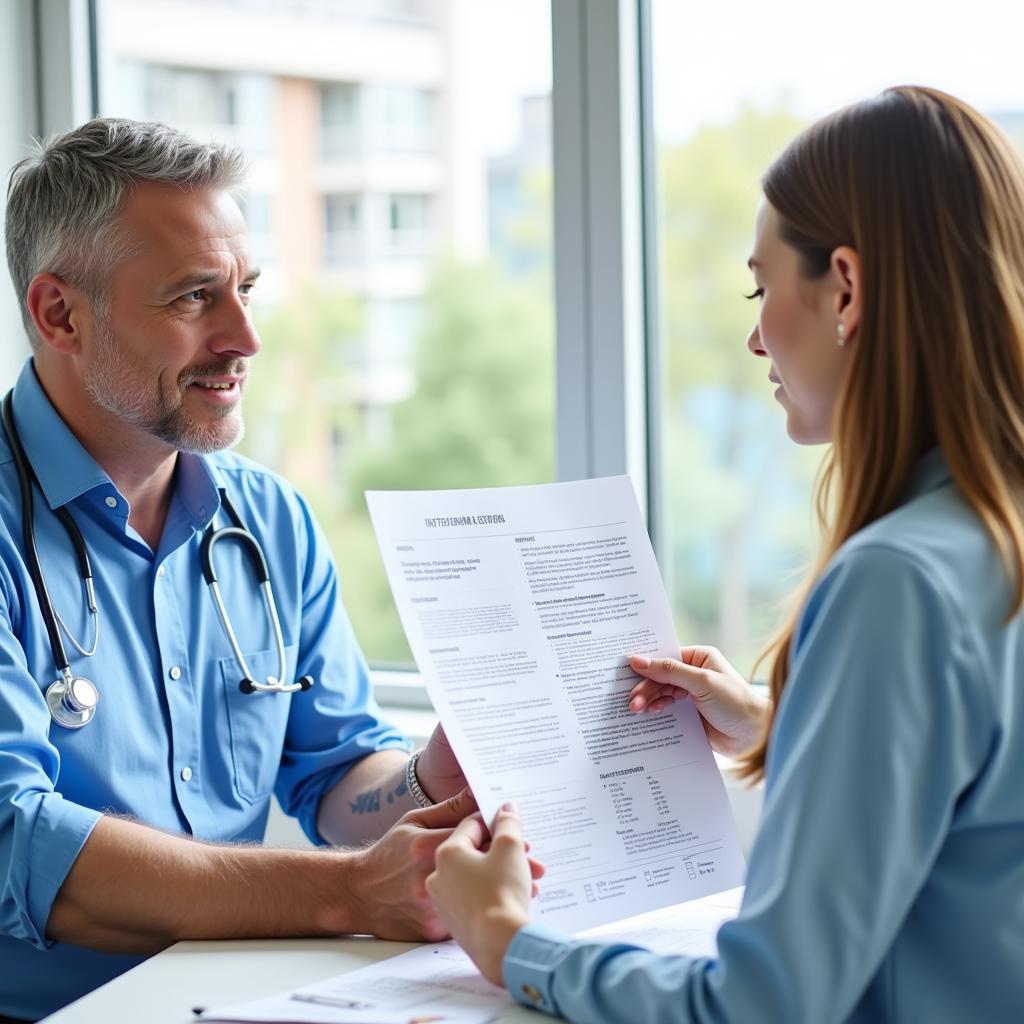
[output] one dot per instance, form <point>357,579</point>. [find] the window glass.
<point>726,101</point>
<point>399,203</point>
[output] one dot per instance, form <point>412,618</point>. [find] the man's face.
<point>171,357</point>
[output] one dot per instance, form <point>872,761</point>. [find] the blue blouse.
<point>887,880</point>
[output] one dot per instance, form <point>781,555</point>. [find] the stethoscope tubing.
<point>26,480</point>
<point>239,533</point>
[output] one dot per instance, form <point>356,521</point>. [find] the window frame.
<point>605,245</point>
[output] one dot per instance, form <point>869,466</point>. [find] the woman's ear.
<point>848,289</point>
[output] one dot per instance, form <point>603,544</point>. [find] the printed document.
<point>439,983</point>
<point>521,605</point>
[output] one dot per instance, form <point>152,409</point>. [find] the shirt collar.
<point>63,467</point>
<point>197,485</point>
<point>65,470</point>
<point>931,471</point>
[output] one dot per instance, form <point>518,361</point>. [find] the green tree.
<point>482,411</point>
<point>300,384</point>
<point>481,416</point>
<point>737,489</point>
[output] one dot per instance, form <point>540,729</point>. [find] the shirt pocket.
<point>256,723</point>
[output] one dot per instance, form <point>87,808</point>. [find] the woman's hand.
<point>733,712</point>
<point>482,885</point>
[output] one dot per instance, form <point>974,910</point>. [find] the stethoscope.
<point>72,699</point>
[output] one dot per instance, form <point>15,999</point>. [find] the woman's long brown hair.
<point>931,195</point>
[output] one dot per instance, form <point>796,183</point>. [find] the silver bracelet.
<point>412,783</point>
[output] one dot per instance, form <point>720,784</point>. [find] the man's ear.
<point>848,289</point>
<point>57,309</point>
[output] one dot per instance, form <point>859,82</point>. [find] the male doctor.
<point>131,263</point>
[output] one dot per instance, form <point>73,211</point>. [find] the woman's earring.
<point>840,335</point>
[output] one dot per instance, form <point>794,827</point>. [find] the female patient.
<point>887,882</point>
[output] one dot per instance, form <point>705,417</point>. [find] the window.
<point>403,346</point>
<point>408,228</point>
<point>258,211</point>
<point>402,170</point>
<point>344,238</point>
<point>339,119</point>
<point>228,105</point>
<point>400,119</point>
<point>737,492</point>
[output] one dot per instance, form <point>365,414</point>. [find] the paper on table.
<point>690,928</point>
<point>520,605</point>
<point>439,983</point>
<point>436,983</point>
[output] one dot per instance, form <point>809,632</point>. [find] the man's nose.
<point>235,332</point>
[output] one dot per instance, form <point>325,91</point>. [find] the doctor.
<point>130,809</point>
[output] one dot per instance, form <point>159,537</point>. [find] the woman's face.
<point>797,330</point>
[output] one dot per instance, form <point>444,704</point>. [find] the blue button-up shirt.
<point>887,881</point>
<point>174,742</point>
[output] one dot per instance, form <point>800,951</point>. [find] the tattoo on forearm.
<point>366,802</point>
<point>369,802</point>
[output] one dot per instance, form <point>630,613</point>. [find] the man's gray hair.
<point>63,201</point>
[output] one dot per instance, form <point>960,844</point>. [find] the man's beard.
<point>110,384</point>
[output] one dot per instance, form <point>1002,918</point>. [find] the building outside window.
<point>399,349</point>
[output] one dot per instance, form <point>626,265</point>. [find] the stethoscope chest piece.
<point>72,701</point>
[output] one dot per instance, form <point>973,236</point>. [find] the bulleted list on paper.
<point>521,605</point>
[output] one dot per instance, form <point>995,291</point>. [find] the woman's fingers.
<point>469,833</point>
<point>508,828</point>
<point>669,671</point>
<point>645,693</point>
<point>661,703</point>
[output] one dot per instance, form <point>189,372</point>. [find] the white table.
<point>164,989</point>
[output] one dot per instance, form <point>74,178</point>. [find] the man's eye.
<point>195,296</point>
<point>756,294</point>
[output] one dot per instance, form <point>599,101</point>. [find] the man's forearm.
<point>367,801</point>
<point>133,889</point>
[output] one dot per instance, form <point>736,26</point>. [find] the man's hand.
<point>482,888</point>
<point>437,769</point>
<point>386,888</point>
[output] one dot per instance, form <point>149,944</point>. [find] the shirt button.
<point>161,570</point>
<point>175,672</point>
<point>110,501</point>
<point>186,774</point>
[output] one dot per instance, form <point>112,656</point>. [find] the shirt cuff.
<point>60,832</point>
<point>529,966</point>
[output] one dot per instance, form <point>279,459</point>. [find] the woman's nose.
<point>754,341</point>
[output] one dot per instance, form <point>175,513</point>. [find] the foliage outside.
<point>482,412</point>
